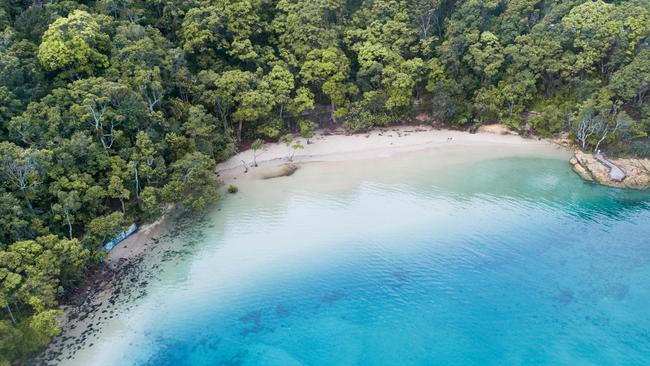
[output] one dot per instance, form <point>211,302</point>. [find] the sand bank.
<point>326,146</point>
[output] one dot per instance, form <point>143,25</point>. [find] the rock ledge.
<point>590,169</point>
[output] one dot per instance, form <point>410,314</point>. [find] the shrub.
<point>550,121</point>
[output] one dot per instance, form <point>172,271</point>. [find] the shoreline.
<point>328,146</point>
<point>636,171</point>
<point>106,283</point>
<point>109,285</point>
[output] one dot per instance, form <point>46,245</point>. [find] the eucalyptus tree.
<point>75,45</point>
<point>328,71</point>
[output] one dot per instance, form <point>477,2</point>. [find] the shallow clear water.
<point>503,262</point>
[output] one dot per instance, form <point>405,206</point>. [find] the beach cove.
<point>475,247</point>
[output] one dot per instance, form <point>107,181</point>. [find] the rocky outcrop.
<point>280,171</point>
<point>637,171</point>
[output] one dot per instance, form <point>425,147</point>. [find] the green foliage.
<point>270,129</point>
<point>226,26</point>
<point>191,181</point>
<point>550,121</point>
<point>32,274</point>
<point>9,107</point>
<point>149,202</point>
<point>632,81</point>
<point>593,28</point>
<point>303,26</point>
<point>256,146</point>
<point>358,119</point>
<point>303,101</point>
<point>103,228</point>
<point>74,45</point>
<point>327,70</point>
<point>306,128</point>
<point>280,83</point>
<point>232,189</point>
<point>292,145</point>
<point>369,112</point>
<point>113,110</point>
<point>485,56</point>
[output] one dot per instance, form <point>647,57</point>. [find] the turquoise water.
<point>504,262</point>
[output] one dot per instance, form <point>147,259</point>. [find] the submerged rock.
<point>637,171</point>
<point>280,171</point>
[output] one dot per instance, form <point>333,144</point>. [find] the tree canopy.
<point>110,110</point>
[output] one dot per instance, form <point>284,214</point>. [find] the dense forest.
<point>112,109</point>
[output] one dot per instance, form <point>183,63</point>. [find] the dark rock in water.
<point>564,297</point>
<point>118,284</point>
<point>253,316</point>
<point>616,291</point>
<point>333,297</point>
<point>256,328</point>
<point>281,171</point>
<point>281,311</point>
<point>401,275</point>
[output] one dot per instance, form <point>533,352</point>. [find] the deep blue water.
<point>507,262</point>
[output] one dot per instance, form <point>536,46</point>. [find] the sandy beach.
<point>327,146</point>
<point>325,149</point>
<point>332,146</point>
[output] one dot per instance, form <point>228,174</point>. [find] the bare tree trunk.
<point>67,218</point>
<point>13,320</point>
<point>640,96</point>
<point>29,203</point>
<point>602,138</point>
<point>606,132</point>
<point>332,113</point>
<point>241,125</point>
<point>137,183</point>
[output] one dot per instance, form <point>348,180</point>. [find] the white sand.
<point>380,142</point>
